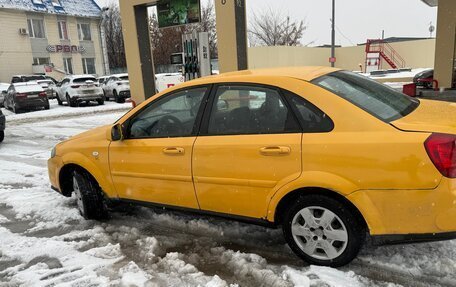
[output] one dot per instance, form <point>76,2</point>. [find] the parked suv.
<point>49,87</point>
<point>76,89</point>
<point>117,87</point>
<point>22,96</point>
<point>2,126</point>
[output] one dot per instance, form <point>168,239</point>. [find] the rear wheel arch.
<point>291,197</point>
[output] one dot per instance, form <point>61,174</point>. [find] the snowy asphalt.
<point>45,242</point>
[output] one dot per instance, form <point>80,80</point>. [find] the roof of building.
<point>81,8</point>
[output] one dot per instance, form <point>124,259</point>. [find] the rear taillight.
<point>42,94</point>
<point>441,148</point>
<point>119,84</point>
<point>75,86</point>
<point>21,95</point>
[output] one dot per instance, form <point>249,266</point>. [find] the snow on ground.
<point>45,242</point>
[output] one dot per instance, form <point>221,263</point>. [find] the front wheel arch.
<point>66,178</point>
<point>292,196</point>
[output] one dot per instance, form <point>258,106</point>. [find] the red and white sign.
<point>65,49</point>
<point>332,59</point>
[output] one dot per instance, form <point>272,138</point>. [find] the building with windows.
<point>55,37</point>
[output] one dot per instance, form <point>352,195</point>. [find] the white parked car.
<point>3,88</point>
<point>165,81</point>
<point>49,87</point>
<point>117,87</point>
<point>102,80</point>
<point>76,89</point>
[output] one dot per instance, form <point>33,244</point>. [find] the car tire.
<point>14,109</point>
<point>105,96</point>
<point>59,101</point>
<point>70,102</point>
<point>47,106</point>
<point>2,136</point>
<point>323,231</point>
<point>88,195</point>
<point>101,101</point>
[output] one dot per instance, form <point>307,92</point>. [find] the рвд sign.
<point>65,49</point>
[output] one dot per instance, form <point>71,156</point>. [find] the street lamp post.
<point>333,34</point>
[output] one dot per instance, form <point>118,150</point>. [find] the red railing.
<point>386,51</point>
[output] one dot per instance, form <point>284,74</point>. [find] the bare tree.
<point>271,28</point>
<point>115,47</point>
<point>164,41</point>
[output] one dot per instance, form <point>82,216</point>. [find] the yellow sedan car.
<point>327,154</point>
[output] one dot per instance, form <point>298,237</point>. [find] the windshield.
<point>379,100</point>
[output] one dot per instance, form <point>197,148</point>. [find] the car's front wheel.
<point>88,196</point>
<point>323,231</point>
<point>2,136</point>
<point>59,101</point>
<point>70,101</point>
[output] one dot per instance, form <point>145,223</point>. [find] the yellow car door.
<point>249,146</point>
<point>153,162</point>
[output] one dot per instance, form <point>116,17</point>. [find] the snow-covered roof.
<point>81,8</point>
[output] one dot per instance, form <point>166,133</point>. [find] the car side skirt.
<point>255,221</point>
<point>411,238</point>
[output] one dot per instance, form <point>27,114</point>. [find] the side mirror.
<point>117,133</point>
<point>59,84</point>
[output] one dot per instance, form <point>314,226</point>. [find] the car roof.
<point>302,73</point>
<point>119,75</point>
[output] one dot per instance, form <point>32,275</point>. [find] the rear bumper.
<point>2,122</point>
<point>32,103</point>
<point>409,215</point>
<point>90,97</point>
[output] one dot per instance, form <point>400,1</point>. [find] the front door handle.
<point>275,150</point>
<point>174,151</point>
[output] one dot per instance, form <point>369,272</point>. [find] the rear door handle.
<point>275,150</point>
<point>174,151</point>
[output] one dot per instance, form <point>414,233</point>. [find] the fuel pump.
<point>197,60</point>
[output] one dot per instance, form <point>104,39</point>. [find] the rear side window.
<point>312,119</point>
<point>379,100</point>
<point>241,110</point>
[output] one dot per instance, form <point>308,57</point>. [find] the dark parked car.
<point>25,96</point>
<point>27,78</point>
<point>424,79</point>
<point>2,126</point>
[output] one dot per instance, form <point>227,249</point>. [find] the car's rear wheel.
<point>323,231</point>
<point>2,136</point>
<point>101,101</point>
<point>88,196</point>
<point>70,101</point>
<point>15,109</point>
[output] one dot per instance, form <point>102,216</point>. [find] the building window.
<point>56,3</point>
<point>39,2</point>
<point>84,32</point>
<point>36,28</point>
<point>68,65</point>
<point>63,30</point>
<point>41,61</point>
<point>88,65</point>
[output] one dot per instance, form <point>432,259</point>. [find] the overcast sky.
<point>356,20</point>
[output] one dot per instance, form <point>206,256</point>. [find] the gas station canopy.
<point>432,3</point>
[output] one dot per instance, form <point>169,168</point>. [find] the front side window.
<point>36,28</point>
<point>379,100</point>
<point>88,65</point>
<point>250,110</point>
<point>84,32</point>
<point>63,31</point>
<point>68,65</point>
<point>171,116</point>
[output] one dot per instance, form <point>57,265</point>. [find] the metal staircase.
<point>386,52</point>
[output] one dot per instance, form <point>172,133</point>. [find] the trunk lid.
<point>430,116</point>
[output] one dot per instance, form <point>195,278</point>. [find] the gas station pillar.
<point>445,48</point>
<point>231,22</point>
